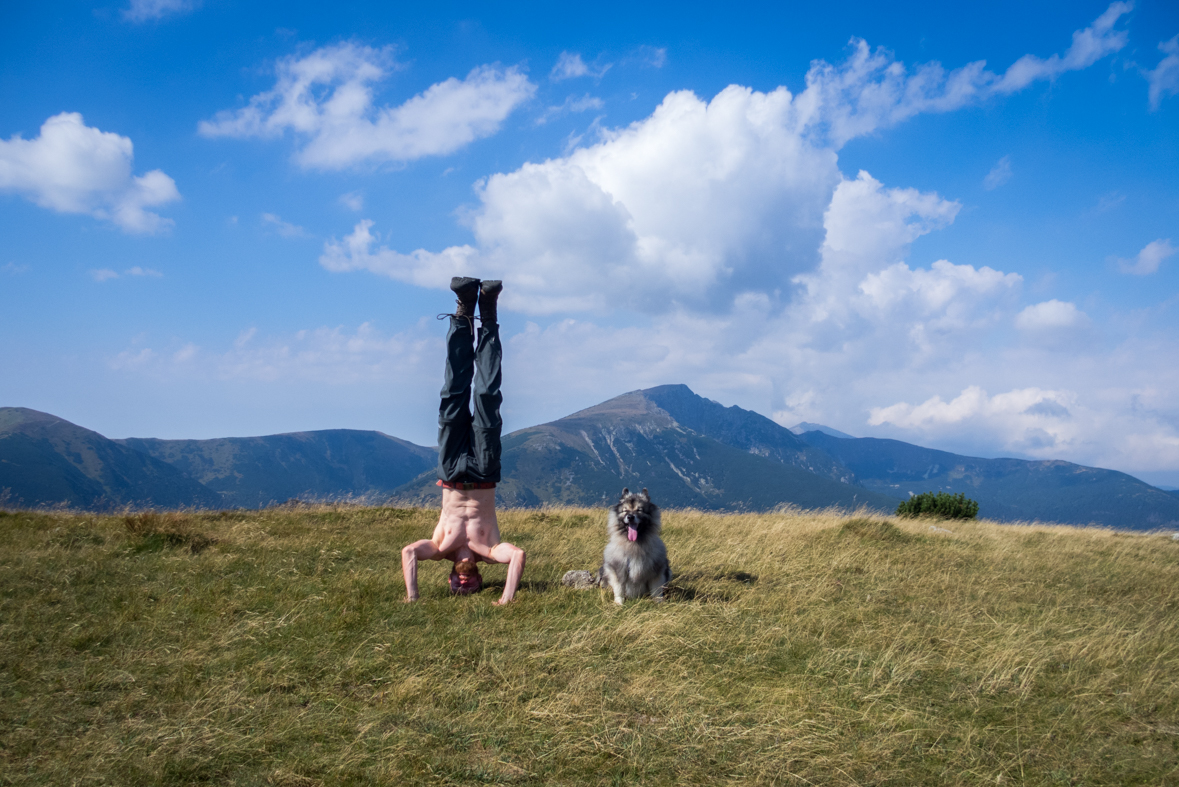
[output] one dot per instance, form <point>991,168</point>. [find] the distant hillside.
<point>807,426</point>
<point>633,440</point>
<point>250,472</point>
<point>47,461</point>
<point>743,429</point>
<point>1006,489</point>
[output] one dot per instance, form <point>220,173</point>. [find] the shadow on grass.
<point>153,531</point>
<point>532,586</point>
<point>743,577</point>
<point>684,587</point>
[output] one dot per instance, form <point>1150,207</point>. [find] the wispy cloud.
<point>646,56</point>
<point>572,104</point>
<point>326,100</point>
<point>1147,261</point>
<point>999,174</point>
<point>147,10</point>
<point>1164,79</point>
<point>872,90</point>
<point>353,200</point>
<point>106,274</point>
<point>1109,201</point>
<point>73,168</point>
<point>330,355</point>
<point>283,228</point>
<point>570,66</point>
<point>656,57</point>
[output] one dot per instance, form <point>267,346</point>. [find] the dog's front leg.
<point>615,583</point>
<point>616,586</point>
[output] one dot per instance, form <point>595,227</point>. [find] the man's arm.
<point>410,555</point>
<point>503,552</point>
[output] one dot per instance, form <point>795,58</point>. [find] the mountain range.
<point>252,472</point>
<point>688,450</point>
<point>1005,489</point>
<point>47,461</point>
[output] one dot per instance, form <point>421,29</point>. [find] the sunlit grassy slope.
<point>273,648</point>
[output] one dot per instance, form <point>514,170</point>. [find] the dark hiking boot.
<point>467,290</point>
<point>488,295</point>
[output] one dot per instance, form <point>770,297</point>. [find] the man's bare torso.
<point>467,527</point>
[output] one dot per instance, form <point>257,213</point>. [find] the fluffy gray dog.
<point>635,561</point>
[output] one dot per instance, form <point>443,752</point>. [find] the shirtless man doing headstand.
<point>469,452</point>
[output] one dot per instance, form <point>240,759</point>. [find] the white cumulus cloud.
<point>73,168</point>
<point>356,252</point>
<point>703,201</point>
<point>1050,315</point>
<point>864,288</point>
<point>326,100</point>
<point>717,243</point>
<point>1032,419</point>
<point>1148,260</point>
<point>699,194</point>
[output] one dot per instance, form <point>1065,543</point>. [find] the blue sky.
<point>953,224</point>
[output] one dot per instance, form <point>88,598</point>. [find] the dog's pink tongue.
<point>632,534</point>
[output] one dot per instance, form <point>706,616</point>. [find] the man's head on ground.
<point>465,578</point>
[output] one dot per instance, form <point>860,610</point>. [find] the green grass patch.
<point>795,648</point>
<point>874,530</point>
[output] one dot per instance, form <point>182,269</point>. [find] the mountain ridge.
<point>250,472</point>
<point>1049,490</point>
<point>690,451</point>
<point>738,461</point>
<point>47,461</point>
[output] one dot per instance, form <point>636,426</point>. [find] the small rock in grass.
<point>937,529</point>
<point>579,580</point>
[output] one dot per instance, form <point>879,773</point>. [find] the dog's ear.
<point>625,492</point>
<point>646,496</point>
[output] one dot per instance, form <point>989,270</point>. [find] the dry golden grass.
<point>798,647</point>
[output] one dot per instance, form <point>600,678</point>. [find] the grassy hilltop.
<point>272,648</point>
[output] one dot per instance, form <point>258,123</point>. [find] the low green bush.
<point>941,505</point>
